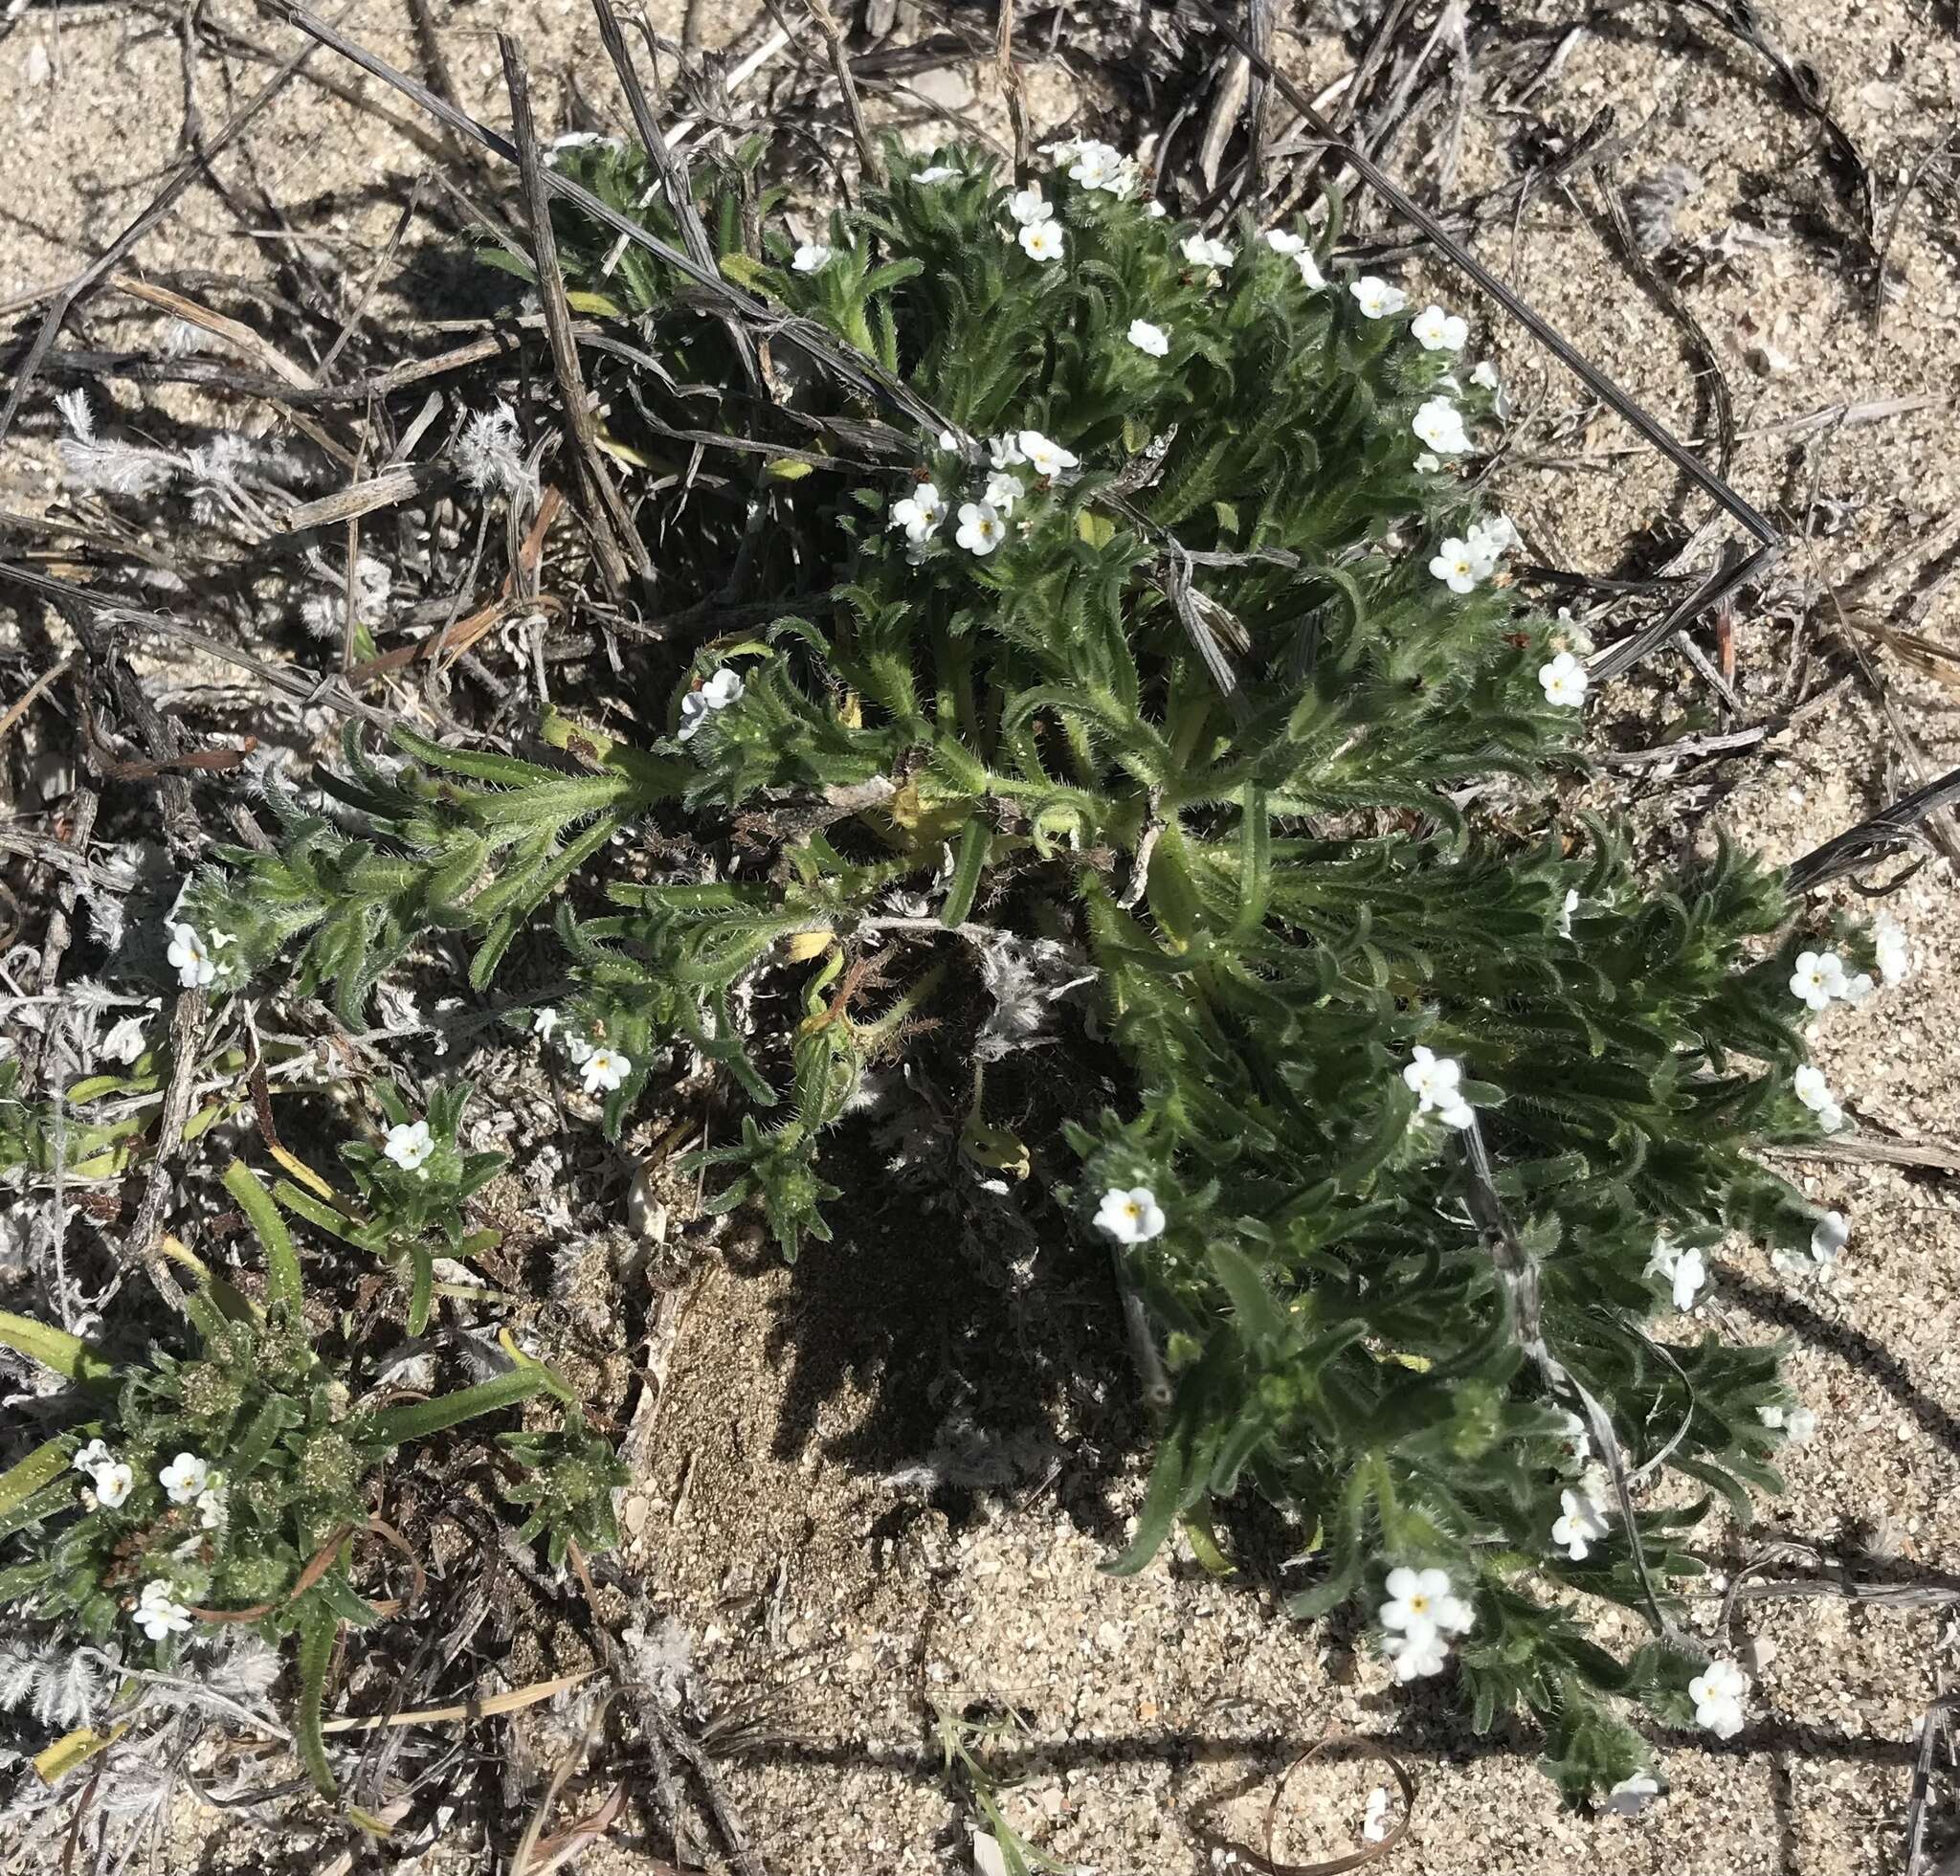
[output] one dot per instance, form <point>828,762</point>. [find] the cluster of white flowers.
<point>724,688</point>
<point>1684,1270</point>
<point>411,1146</point>
<point>1096,166</point>
<point>1421,1613</point>
<point>112,1480</point>
<point>1435,1080</point>
<point>1464,563</point>
<point>197,963</point>
<point>158,1612</point>
<point>1131,1217</point>
<point>982,524</point>
<point>1293,247</point>
<point>1717,1693</point>
<point>1814,1092</point>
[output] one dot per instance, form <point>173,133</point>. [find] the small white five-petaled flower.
<point>411,1146</point>
<point>1818,977</point>
<point>717,693</point>
<point>1434,1080</point>
<point>1041,240</point>
<point>1460,567</point>
<point>1376,297</point>
<point>938,173</point>
<point>1028,206</point>
<point>96,1453</point>
<point>1421,1611</point>
<point>980,528</point>
<point>158,1612</point>
<point>1810,1087</point>
<point>920,513</point>
<point>543,1022</point>
<point>1581,1525</point>
<point>1310,275</point>
<point>1131,1218</point>
<point>1149,338</point>
<point>1202,251</point>
<point>1438,423</point>
<point>604,1069</point>
<point>811,256</point>
<point>184,1477</point>
<point>1282,241</point>
<point>1832,1234</point>
<point>1717,1693</point>
<point>113,1483</point>
<point>1563,680</point>
<point>1435,330</point>
<point>194,966</point>
<point>1003,491</point>
<point>1045,458</point>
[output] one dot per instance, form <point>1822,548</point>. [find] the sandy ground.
<point>773,1519</point>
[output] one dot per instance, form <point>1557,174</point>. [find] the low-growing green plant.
<point>1175,680</point>
<point>415,1185</point>
<point>230,1484</point>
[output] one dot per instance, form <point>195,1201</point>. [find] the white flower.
<point>1818,977</point>
<point>1282,241</point>
<point>1563,680</point>
<point>1003,491</point>
<point>188,957</point>
<point>1028,206</point>
<point>1439,424</point>
<point>1417,1653</point>
<point>1428,465</point>
<point>1155,211</point>
<point>158,1613</point>
<point>1633,1795</point>
<point>1717,1693</point>
<point>1685,1270</point>
<point>184,1477</point>
<point>1376,297</point>
<point>1493,539</point>
<point>724,688</point>
<point>94,1454</point>
<point>1484,377</point>
<point>576,139</point>
<point>578,1048</point>
<point>1130,1218</point>
<point>1437,331</point>
<point>1044,458</point>
<point>1149,338</point>
<point>980,528</point>
<point>1432,1080</point>
<point>1798,1425</point>
<point>1310,274</point>
<point>1858,991</point>
<point>1832,1234</point>
<point>1566,911</point>
<point>920,513</point>
<point>1004,451</point>
<point>1415,1598</point>
<point>1201,251</point>
<point>543,1022</point>
<point>604,1069</point>
<point>1041,240</point>
<point>212,1508</point>
<point>1460,567</point>
<point>1373,1820</point>
<point>113,1483</point>
<point>810,257</point>
<point>411,1146</point>
<point>1100,166</point>
<point>1569,634</point>
<point>938,173</point>
<point>1810,1087</point>
<point>1895,956</point>
<point>1582,1525</point>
